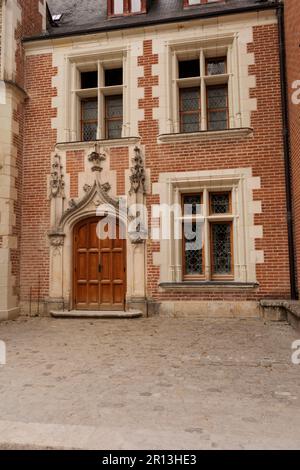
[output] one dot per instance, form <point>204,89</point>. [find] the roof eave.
<point>105,29</point>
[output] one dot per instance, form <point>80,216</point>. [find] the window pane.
<point>114,77</point>
<point>136,6</point>
<point>190,99</point>
<point>189,68</point>
<point>89,131</point>
<point>220,203</point>
<point>217,97</point>
<point>190,123</point>
<point>118,7</point>
<point>89,110</point>
<point>89,80</point>
<point>217,121</point>
<point>190,109</point>
<point>114,129</point>
<point>221,246</point>
<point>215,66</point>
<point>114,106</point>
<point>193,248</point>
<point>192,204</point>
<point>114,116</point>
<point>217,108</point>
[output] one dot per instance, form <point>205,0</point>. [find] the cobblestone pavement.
<point>149,384</point>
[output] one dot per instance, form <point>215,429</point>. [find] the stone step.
<point>96,314</point>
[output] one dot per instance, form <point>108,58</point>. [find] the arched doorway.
<point>99,269</point>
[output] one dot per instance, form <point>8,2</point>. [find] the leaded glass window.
<point>216,66</point>
<point>114,116</point>
<point>220,203</point>
<point>190,109</point>
<point>193,229</point>
<point>217,108</point>
<point>221,239</point>
<point>193,248</point>
<point>89,119</point>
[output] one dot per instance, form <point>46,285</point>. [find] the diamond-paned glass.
<point>114,129</point>
<point>114,116</point>
<point>89,122</point>
<point>217,108</point>
<point>220,203</point>
<point>193,248</point>
<point>216,66</point>
<point>190,109</point>
<point>89,131</point>
<point>89,110</point>
<point>192,204</point>
<point>221,247</point>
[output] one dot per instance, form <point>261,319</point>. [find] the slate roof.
<point>86,16</point>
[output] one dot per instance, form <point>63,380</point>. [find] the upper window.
<point>97,100</point>
<point>126,7</point>
<point>198,2</point>
<point>202,91</point>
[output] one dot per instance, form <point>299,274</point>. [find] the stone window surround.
<point>85,62</point>
<point>226,45</point>
<point>240,181</point>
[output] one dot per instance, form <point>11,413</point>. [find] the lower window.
<point>207,228</point>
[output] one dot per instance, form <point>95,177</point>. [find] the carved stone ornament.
<point>57,240</point>
<point>57,183</point>
<point>137,177</point>
<point>96,159</point>
<point>96,195</point>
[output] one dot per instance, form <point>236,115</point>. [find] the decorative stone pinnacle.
<point>138,177</point>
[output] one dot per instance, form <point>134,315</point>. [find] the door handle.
<point>100,268</point>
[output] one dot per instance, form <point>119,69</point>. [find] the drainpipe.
<point>287,150</point>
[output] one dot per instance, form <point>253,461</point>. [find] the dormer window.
<point>126,7</point>
<point>188,3</point>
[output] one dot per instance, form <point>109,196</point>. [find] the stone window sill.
<point>205,135</point>
<point>204,285</point>
<point>79,145</point>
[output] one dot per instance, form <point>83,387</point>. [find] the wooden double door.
<point>99,269</point>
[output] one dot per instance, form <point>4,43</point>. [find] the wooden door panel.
<point>93,238</point>
<point>99,269</point>
<point>82,237</point>
<point>93,293</point>
<point>82,268</point>
<point>93,266</point>
<point>117,293</point>
<point>117,265</point>
<point>81,293</point>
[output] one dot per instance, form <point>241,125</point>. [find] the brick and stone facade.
<point>246,159</point>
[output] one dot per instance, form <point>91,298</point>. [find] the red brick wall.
<point>39,142</point>
<point>292,21</point>
<point>264,153</point>
<point>119,161</point>
<point>75,165</point>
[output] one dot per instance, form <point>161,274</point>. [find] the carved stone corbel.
<point>96,159</point>
<point>57,240</point>
<point>57,182</point>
